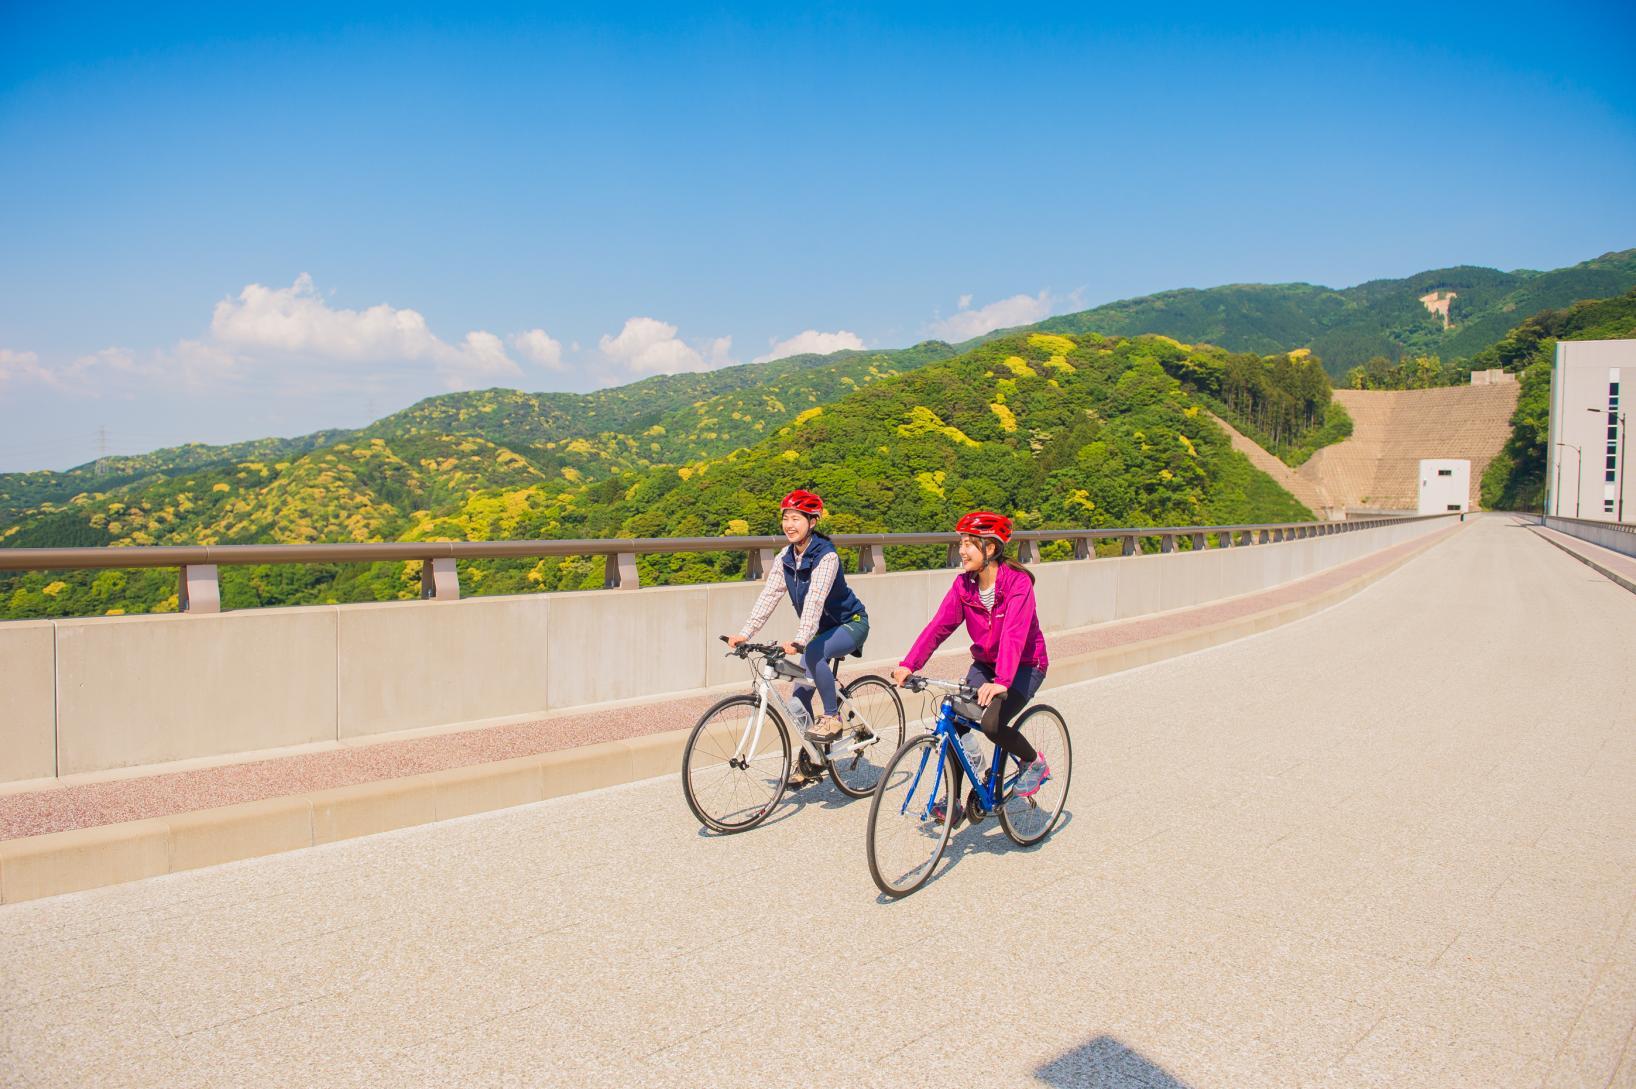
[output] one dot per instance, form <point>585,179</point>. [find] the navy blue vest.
<point>841,605</point>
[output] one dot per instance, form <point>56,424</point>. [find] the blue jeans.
<point>837,642</point>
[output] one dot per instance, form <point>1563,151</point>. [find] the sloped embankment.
<point>1377,468</point>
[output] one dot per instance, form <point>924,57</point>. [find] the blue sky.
<point>217,225</point>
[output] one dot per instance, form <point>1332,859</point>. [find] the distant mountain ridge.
<point>1346,327</point>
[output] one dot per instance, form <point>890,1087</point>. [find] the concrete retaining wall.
<point>97,694</point>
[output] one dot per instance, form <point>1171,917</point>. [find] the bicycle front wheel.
<point>1029,820</point>
<point>907,834</point>
<point>873,716</point>
<point>734,771</point>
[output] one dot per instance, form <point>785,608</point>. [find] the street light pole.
<point>1579,474</point>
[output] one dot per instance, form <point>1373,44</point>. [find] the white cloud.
<point>647,346</point>
<point>968,323</point>
<point>18,366</point>
<point>811,341</point>
<point>295,322</point>
<point>539,347</point>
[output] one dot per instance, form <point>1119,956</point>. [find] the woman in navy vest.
<point>833,620</point>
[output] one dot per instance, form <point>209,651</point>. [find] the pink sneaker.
<point>1033,777</point>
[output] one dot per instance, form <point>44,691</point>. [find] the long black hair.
<point>999,557</point>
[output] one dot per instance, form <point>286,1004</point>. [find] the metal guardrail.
<point>199,590</point>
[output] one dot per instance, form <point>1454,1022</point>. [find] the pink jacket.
<point>1005,638</point>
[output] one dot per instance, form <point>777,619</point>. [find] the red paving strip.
<point>1616,564</point>
<point>86,805</point>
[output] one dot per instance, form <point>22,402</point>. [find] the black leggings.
<point>1023,688</point>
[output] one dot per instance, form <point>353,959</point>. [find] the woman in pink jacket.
<point>994,597</point>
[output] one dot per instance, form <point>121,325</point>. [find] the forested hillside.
<point>1066,431</point>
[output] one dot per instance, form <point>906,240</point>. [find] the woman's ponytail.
<point>1002,560</point>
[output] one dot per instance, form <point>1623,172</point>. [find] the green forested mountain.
<point>1058,430</point>
<point>21,491</point>
<point>665,418</point>
<point>1515,479</point>
<point>1349,326</point>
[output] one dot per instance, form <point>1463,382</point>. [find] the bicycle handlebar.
<point>744,650</point>
<point>917,683</point>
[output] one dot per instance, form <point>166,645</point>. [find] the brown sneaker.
<point>825,731</point>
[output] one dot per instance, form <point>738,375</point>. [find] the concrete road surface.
<point>1393,845</point>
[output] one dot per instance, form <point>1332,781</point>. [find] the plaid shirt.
<point>823,577</point>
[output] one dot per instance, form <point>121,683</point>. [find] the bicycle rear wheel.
<point>905,839</point>
<point>729,785</point>
<point>1029,820</point>
<point>873,716</point>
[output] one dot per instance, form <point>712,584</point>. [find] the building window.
<point>1453,506</point>
<point>1445,472</point>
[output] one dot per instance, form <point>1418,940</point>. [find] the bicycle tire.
<point>1029,820</point>
<point>856,774</point>
<point>902,844</point>
<point>722,795</point>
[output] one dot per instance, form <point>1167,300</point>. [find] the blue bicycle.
<point>913,812</point>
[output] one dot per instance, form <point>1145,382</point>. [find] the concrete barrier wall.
<point>96,694</point>
<point>148,689</point>
<point>28,700</point>
<point>1608,535</point>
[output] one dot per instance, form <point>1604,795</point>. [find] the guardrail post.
<point>953,559</point>
<point>1083,549</point>
<point>758,563</point>
<point>1129,546</point>
<point>197,590</point>
<point>1026,552</point>
<point>1198,542</point>
<point>1225,538</point>
<point>439,580</point>
<point>1167,542</point>
<point>871,560</point>
<point>619,571</point>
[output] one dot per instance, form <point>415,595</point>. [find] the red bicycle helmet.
<point>804,501</point>
<point>982,523</point>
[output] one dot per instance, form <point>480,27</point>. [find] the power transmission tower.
<point>102,451</point>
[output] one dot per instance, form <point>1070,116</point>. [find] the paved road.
<point>1394,844</point>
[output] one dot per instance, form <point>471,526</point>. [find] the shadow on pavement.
<point>1105,1063</point>
<point>987,838</point>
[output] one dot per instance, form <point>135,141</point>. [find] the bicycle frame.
<point>764,677</point>
<point>987,787</point>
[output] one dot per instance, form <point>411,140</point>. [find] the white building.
<point>1445,485</point>
<point>1588,458</point>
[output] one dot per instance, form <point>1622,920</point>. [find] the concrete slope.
<point>1378,467</point>
<point>1309,492</point>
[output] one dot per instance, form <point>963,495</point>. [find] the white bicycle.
<point>736,764</point>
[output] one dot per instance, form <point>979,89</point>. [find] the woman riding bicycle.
<point>995,598</point>
<point>834,622</point>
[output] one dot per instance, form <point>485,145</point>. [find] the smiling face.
<point>973,552</point>
<point>796,526</point>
